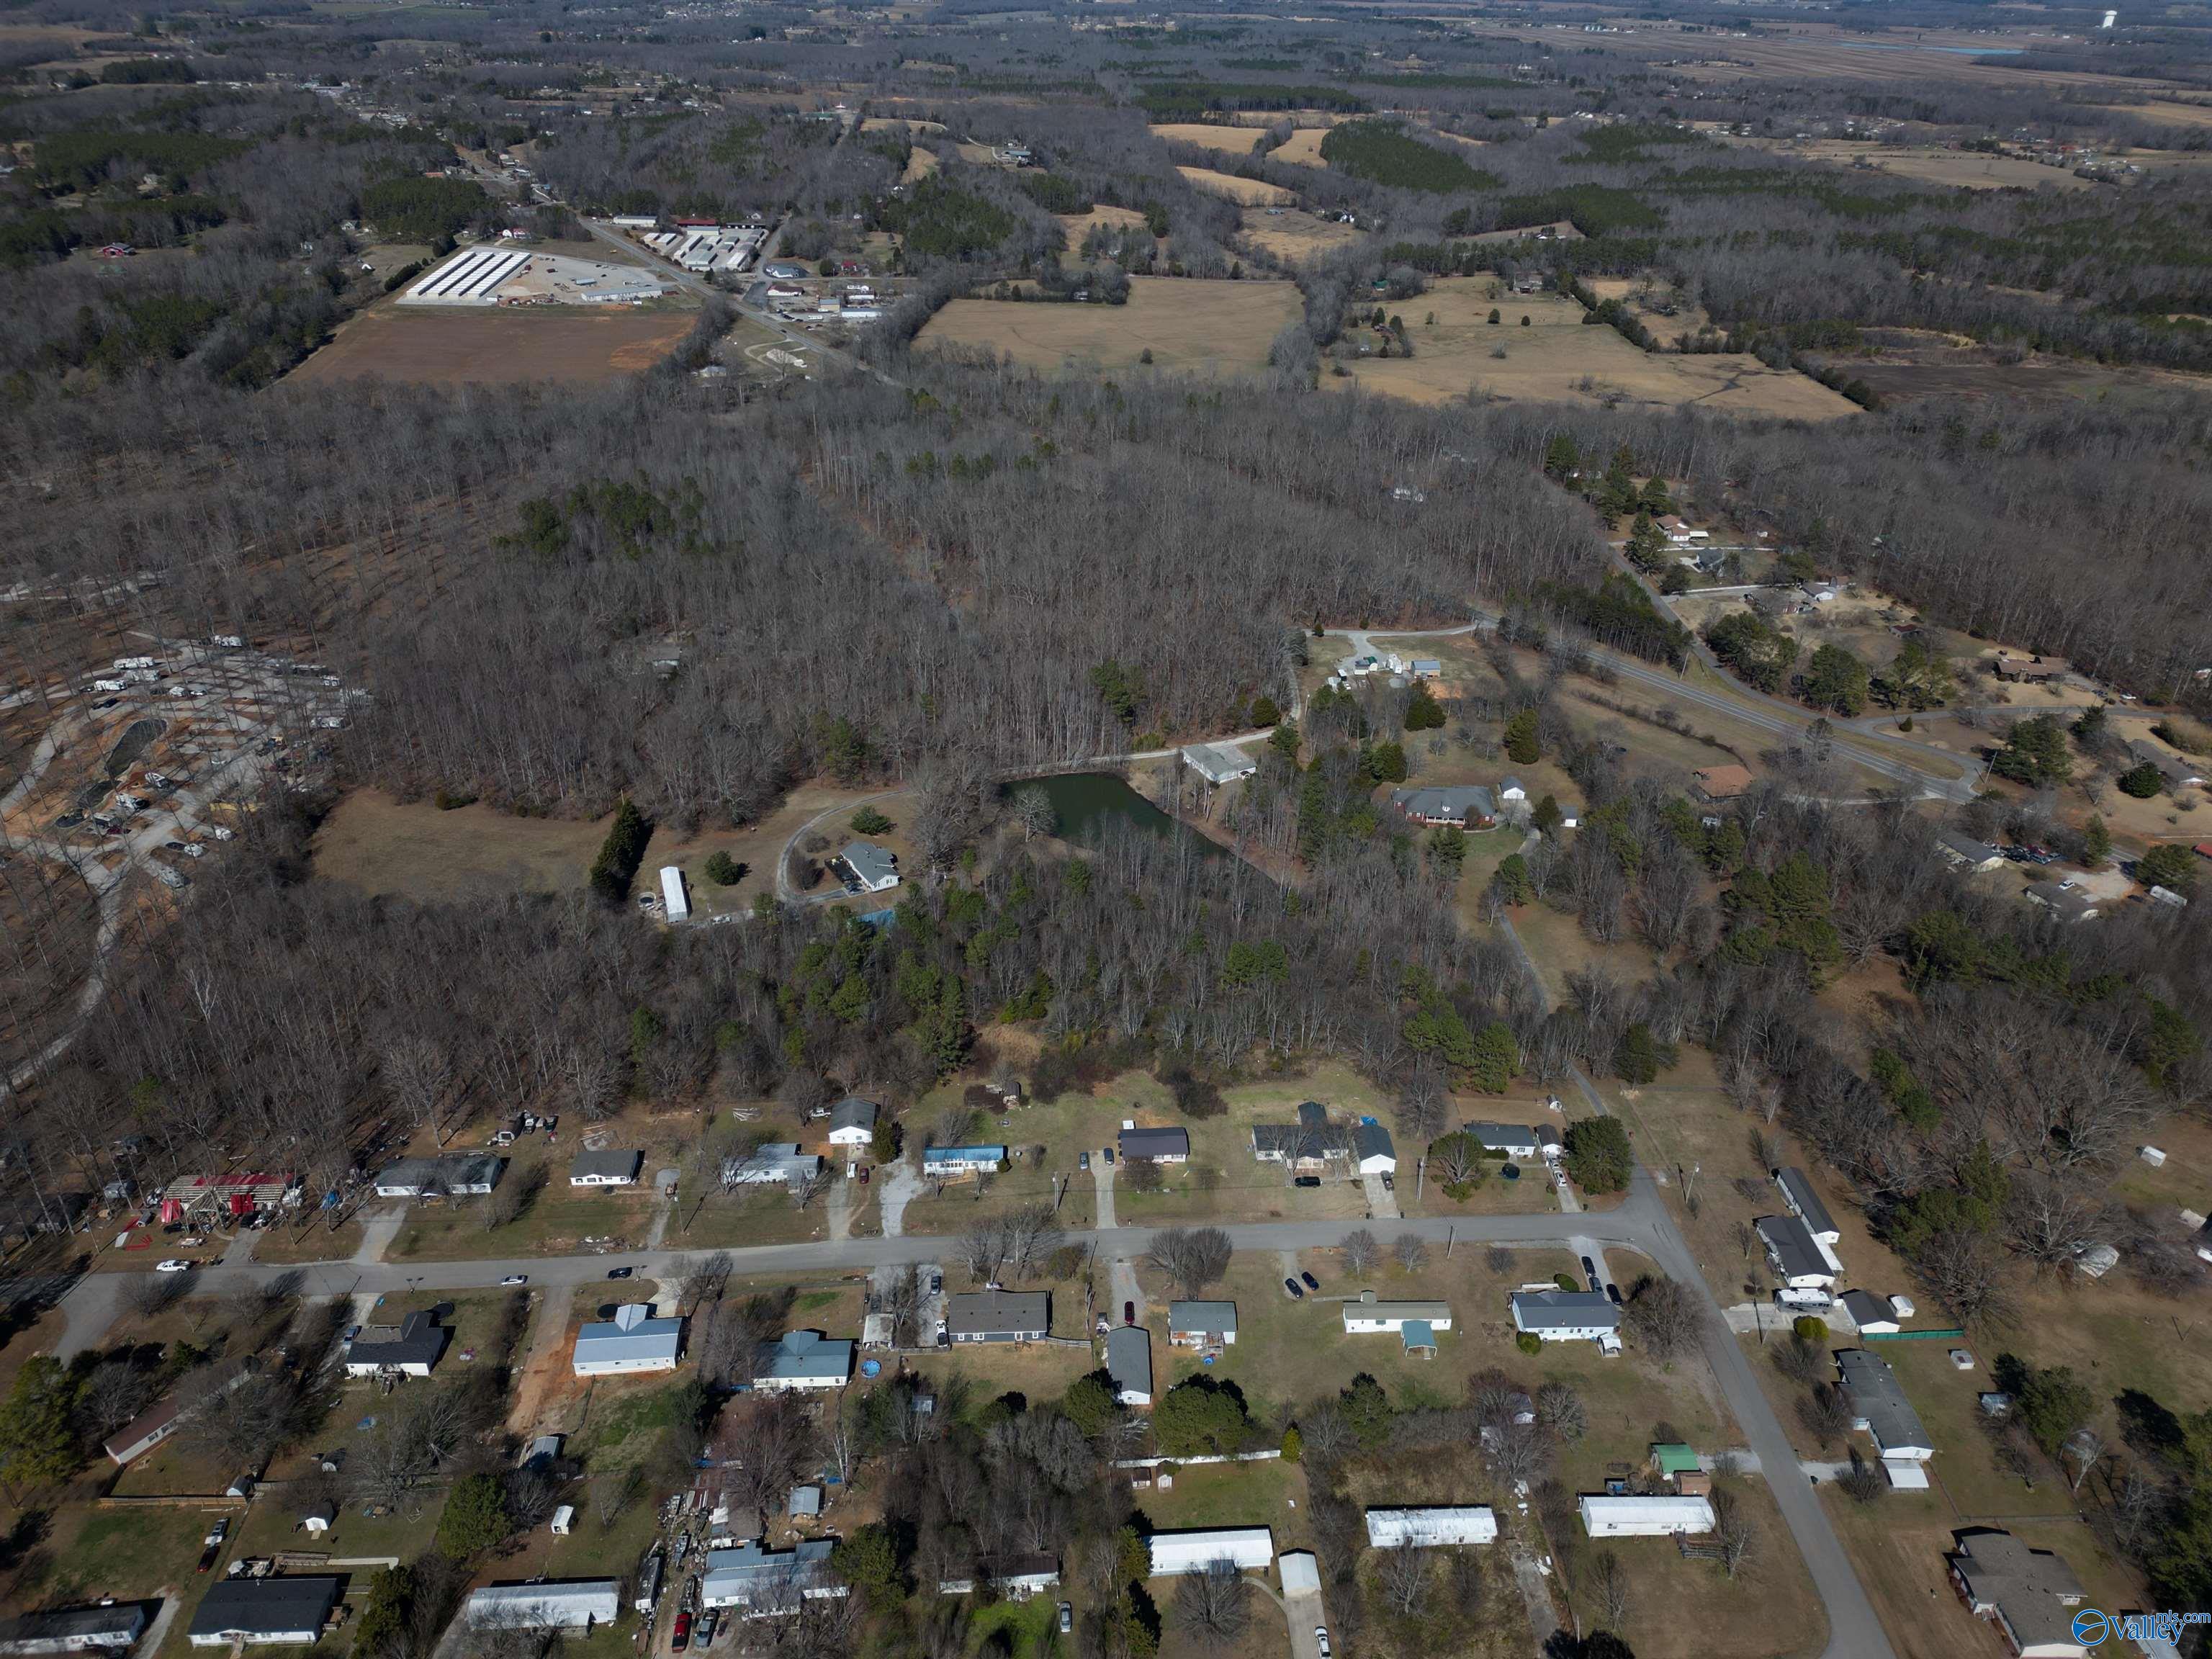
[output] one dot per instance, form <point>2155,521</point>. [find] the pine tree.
<point>2096,842</point>
<point>1522,747</point>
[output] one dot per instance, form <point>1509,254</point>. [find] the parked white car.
<point>173,1264</point>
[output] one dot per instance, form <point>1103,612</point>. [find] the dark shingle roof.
<point>265,1607</point>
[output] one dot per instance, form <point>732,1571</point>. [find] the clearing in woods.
<point>1210,326</point>
<point>1230,141</point>
<point>1100,218</point>
<point>1250,191</point>
<point>1293,234</point>
<point>383,846</point>
<point>1558,358</point>
<point>497,345</point>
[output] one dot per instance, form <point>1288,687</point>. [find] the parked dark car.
<point>1614,1291</point>
<point>1305,1181</point>
<point>680,1638</point>
<point>1291,1285</point>
<point>619,1272</point>
<point>1128,1313</point>
<point>1589,1267</point>
<point>1312,1284</point>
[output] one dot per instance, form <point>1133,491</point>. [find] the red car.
<point>680,1638</point>
<point>1128,1313</point>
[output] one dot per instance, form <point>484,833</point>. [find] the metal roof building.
<point>465,1173</point>
<point>803,1360</point>
<point>1657,1516</point>
<point>1161,1146</point>
<point>1432,1527</point>
<point>1251,1548</point>
<point>264,1611</point>
<point>571,1604</point>
<point>412,1347</point>
<point>753,1578</point>
<point>634,1340</point>
<point>998,1315</point>
<point>613,1167</point>
<point>1879,1407</point>
<point>1219,763</point>
<point>1129,1362</point>
<point>1565,1315</point>
<point>1805,1204</point>
<point>1798,1259</point>
<point>1369,1314</point>
<point>77,1630</point>
<point>1202,1324</point>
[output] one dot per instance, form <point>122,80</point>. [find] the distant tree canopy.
<point>1384,151</point>
<point>430,210</point>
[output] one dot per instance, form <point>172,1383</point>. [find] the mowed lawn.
<point>1206,327</point>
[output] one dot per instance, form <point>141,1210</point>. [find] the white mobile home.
<point>1656,1517</point>
<point>1432,1527</point>
<point>1249,1548</point>
<point>673,898</point>
<point>633,1341</point>
<point>1370,1315</point>
<point>576,1604</point>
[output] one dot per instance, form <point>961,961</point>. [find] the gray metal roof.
<point>65,1628</point>
<point>805,1355</point>
<point>265,1608</point>
<point>1154,1143</point>
<point>568,1603</point>
<point>853,1113</point>
<point>418,1339</point>
<point>1878,1398</point>
<point>1129,1358</point>
<point>455,1172</point>
<point>621,1165</point>
<point>2033,1588</point>
<point>1814,1214</point>
<point>629,1340</point>
<point>1457,803</point>
<point>1506,1137</point>
<point>873,864</point>
<point>1564,1311</point>
<point>977,1313</point>
<point>1372,1140</point>
<point>1212,1318</point>
<point>1790,1243</point>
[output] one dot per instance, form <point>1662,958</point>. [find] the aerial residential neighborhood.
<point>1086,832</point>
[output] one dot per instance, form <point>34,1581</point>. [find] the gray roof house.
<point>801,1360</point>
<point>997,1316</point>
<point>2176,769</point>
<point>1308,1141</point>
<point>1567,1316</point>
<point>1129,1362</point>
<point>1871,1314</point>
<point>1879,1407</point>
<point>1218,763</point>
<point>143,1432</point>
<point>764,1579</point>
<point>1465,807</point>
<point>2062,899</point>
<point>412,1347</point>
<point>634,1340</point>
<point>465,1173</point>
<point>77,1630</point>
<point>1371,1145</point>
<point>1805,1204</point>
<point>1202,1324</point>
<point>1964,853</point>
<point>853,1122</point>
<point>1797,1258</point>
<point>568,1604</point>
<point>264,1611</point>
<point>1513,1140</point>
<point>779,1164</point>
<point>607,1169</point>
<point>1161,1146</point>
<point>2026,1593</point>
<point>874,869</point>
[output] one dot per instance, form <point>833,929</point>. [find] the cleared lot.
<point>497,347</point>
<point>1206,326</point>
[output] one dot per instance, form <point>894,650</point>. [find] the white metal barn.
<point>1431,1528</point>
<point>471,277</point>
<point>673,896</point>
<point>1660,1516</point>
<point>1251,1548</point>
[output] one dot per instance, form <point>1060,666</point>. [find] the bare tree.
<point>1213,1606</point>
<point>1517,1453</point>
<point>615,1491</point>
<point>1361,1252</point>
<point>1033,811</point>
<point>982,1250</point>
<point>1608,1583</point>
<point>2084,1450</point>
<point>1031,1235</point>
<point>1499,1260</point>
<point>766,1441</point>
<point>1735,1529</point>
<point>1964,1268</point>
<point>153,1294</point>
<point>1193,1258</point>
<point>1825,1413</point>
<point>1413,1254</point>
<point>417,1071</point>
<point>1560,1410</point>
<point>1405,1577</point>
<point>1424,1106</point>
<point>1664,1317</point>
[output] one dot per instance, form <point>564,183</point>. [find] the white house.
<point>465,1174</point>
<point>1805,1204</point>
<point>1513,1140</point>
<point>874,869</point>
<point>1880,1408</point>
<point>1372,1146</point>
<point>1568,1317</point>
<point>1800,1260</point>
<point>607,1169</point>
<point>109,1629</point>
<point>1218,763</point>
<point>942,1162</point>
<point>1873,1316</point>
<point>1430,1528</point>
<point>1249,1548</point>
<point>276,1612</point>
<point>765,1582</point>
<point>572,1604</point>
<point>412,1347</point>
<point>1202,1324</point>
<point>1660,1516</point>
<point>1370,1315</point>
<point>803,1361</point>
<point>633,1341</point>
<point>852,1123</point>
<point>777,1165</point>
<point>674,900</point>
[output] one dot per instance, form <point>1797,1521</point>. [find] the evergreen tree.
<point>2096,842</point>
<point>1521,745</point>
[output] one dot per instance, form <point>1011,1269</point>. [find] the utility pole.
<point>1420,1176</point>
<point>1451,1237</point>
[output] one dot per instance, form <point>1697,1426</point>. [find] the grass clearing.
<point>414,850</point>
<point>1558,359</point>
<point>1229,141</point>
<point>498,345</point>
<point>1250,191</point>
<point>1296,235</point>
<point>1205,327</point>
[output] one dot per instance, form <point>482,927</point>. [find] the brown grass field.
<point>1303,149</point>
<point>1560,359</point>
<point>1296,236</point>
<point>1197,325</point>
<point>383,846</point>
<point>1250,191</point>
<point>1229,141</point>
<point>1100,218</point>
<point>494,345</point>
<point>1930,164</point>
<point>920,164</point>
<point>1639,294</point>
<point>1916,363</point>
